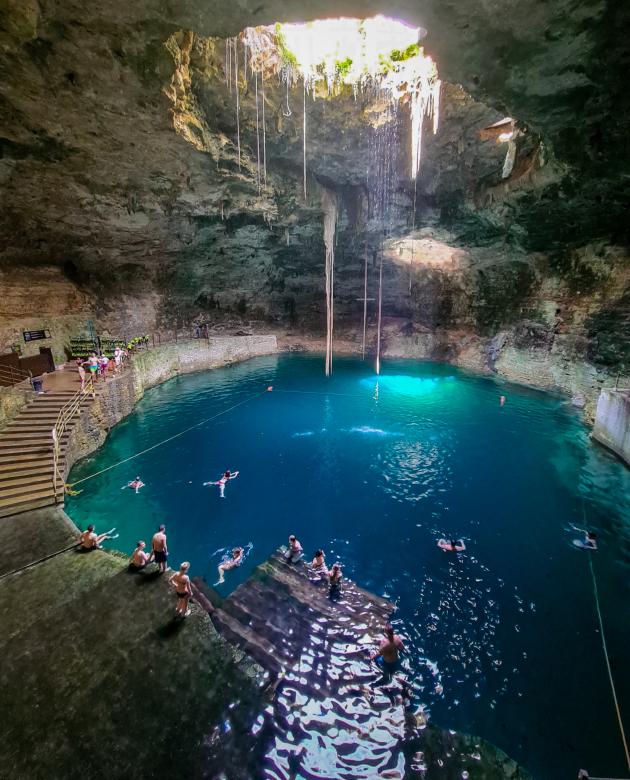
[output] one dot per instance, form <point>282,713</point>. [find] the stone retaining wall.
<point>12,401</point>
<point>117,398</point>
<point>612,422</point>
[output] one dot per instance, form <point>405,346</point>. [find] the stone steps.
<point>26,454</point>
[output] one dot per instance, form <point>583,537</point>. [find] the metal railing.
<point>13,375</point>
<point>66,413</point>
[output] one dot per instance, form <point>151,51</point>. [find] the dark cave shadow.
<point>171,628</point>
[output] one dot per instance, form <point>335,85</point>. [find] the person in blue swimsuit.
<point>387,653</point>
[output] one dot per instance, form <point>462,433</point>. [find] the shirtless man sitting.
<point>139,559</point>
<point>91,541</point>
<point>237,559</point>
<point>388,650</point>
<point>159,549</point>
<point>452,546</point>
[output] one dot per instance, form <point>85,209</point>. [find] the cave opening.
<point>410,219</point>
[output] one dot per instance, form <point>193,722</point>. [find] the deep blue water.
<point>503,639</point>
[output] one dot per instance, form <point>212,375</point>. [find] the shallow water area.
<point>503,639</point>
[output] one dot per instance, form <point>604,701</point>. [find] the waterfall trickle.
<point>329,207</point>
<point>238,126</point>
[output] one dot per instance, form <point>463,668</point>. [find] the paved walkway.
<point>100,680</point>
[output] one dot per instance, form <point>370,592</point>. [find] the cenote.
<point>502,640</point>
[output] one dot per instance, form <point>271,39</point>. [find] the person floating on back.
<point>183,589</point>
<point>294,553</point>
<point>452,546</point>
<point>387,653</point>
<point>159,549</point>
<point>237,559</point>
<point>589,542</point>
<point>139,559</point>
<point>91,541</point>
<point>136,484</point>
<point>222,481</point>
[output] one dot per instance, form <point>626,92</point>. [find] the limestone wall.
<point>612,422</point>
<point>12,401</point>
<point>117,398</point>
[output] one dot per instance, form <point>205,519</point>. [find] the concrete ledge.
<point>612,422</point>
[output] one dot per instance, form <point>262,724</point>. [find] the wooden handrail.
<point>66,413</point>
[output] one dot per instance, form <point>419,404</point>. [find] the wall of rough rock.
<point>117,397</point>
<point>12,401</point>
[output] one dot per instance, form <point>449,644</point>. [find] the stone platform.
<point>277,612</point>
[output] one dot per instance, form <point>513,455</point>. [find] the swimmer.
<point>387,653</point>
<point>318,567</point>
<point>91,541</point>
<point>589,542</point>
<point>135,485</point>
<point>222,481</point>
<point>334,577</point>
<point>237,559</point>
<point>319,562</point>
<point>183,589</point>
<point>294,553</point>
<point>139,559</point>
<point>452,546</point>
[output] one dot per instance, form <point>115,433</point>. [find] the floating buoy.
<point>269,389</point>
<point>502,400</point>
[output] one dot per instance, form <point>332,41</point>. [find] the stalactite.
<point>257,133</point>
<point>365,292</point>
<point>238,125</point>
<point>380,310</point>
<point>413,229</point>
<point>329,207</point>
<point>304,137</point>
<point>263,123</point>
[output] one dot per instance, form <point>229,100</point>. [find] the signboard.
<point>35,335</point>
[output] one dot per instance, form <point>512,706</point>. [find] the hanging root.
<point>329,207</point>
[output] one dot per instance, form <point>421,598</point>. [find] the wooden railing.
<point>12,375</point>
<point>66,413</point>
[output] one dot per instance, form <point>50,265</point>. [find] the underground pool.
<point>503,639</point>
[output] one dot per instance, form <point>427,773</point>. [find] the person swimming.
<point>318,567</point>
<point>589,542</point>
<point>221,483</point>
<point>334,577</point>
<point>237,559</point>
<point>452,546</point>
<point>136,484</point>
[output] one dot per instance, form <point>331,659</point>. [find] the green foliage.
<point>343,68</point>
<point>288,58</point>
<point>408,53</point>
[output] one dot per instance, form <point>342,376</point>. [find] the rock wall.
<point>117,398</point>
<point>612,422</point>
<point>12,401</point>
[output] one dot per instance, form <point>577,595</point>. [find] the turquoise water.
<point>503,639</point>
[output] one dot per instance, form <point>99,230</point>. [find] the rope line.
<point>612,684</point>
<point>41,560</point>
<point>181,433</point>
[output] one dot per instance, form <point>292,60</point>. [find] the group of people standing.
<point>159,553</point>
<point>100,365</point>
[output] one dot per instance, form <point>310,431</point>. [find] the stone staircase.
<point>26,454</point>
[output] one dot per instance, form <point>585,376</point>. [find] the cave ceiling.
<point>96,179</point>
